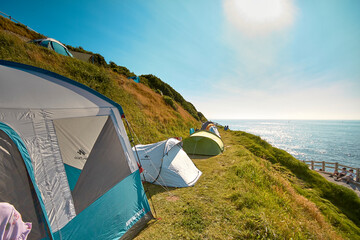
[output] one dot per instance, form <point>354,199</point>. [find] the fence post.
<point>312,165</point>
<point>357,174</point>
<point>323,166</point>
<point>336,167</point>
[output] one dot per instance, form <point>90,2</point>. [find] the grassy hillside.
<point>18,29</point>
<point>151,117</point>
<point>251,191</point>
<point>254,191</point>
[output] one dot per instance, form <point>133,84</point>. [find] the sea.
<point>316,140</point>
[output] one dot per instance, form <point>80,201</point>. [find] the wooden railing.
<point>334,166</point>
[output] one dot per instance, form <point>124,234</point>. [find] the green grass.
<point>243,196</point>
<point>344,199</point>
<point>17,28</point>
<point>251,191</point>
<point>147,127</point>
<point>149,80</point>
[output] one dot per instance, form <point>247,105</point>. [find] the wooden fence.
<point>333,166</point>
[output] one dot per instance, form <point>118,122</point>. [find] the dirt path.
<point>354,186</point>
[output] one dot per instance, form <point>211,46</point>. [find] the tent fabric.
<point>211,127</point>
<point>165,163</point>
<point>60,92</point>
<point>97,177</point>
<point>55,45</point>
<point>98,222</point>
<point>135,78</point>
<point>72,174</point>
<point>16,187</point>
<point>44,109</point>
<point>74,137</point>
<point>203,143</point>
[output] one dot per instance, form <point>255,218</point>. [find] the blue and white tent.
<point>66,163</point>
<point>135,78</point>
<point>211,127</point>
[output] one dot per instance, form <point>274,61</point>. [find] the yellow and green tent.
<point>203,143</point>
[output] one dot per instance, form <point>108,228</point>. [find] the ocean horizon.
<point>316,140</point>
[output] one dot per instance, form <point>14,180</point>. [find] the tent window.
<point>105,167</point>
<point>93,156</point>
<point>16,187</point>
<point>44,43</point>
<point>59,49</point>
<point>76,137</point>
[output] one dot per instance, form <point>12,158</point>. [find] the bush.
<point>99,60</point>
<point>156,83</point>
<point>120,69</point>
<point>169,101</point>
<point>159,92</point>
<point>201,117</point>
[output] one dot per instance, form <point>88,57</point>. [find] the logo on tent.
<point>136,216</point>
<point>146,157</point>
<point>81,152</point>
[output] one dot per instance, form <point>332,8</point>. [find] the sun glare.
<point>259,10</point>
<point>259,16</point>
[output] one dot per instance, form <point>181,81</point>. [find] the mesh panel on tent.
<point>16,189</point>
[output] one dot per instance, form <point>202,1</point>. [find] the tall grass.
<point>148,127</point>
<point>343,198</point>
<point>20,29</point>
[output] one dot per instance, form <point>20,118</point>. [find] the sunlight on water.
<point>331,141</point>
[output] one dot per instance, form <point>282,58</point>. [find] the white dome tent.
<point>166,163</point>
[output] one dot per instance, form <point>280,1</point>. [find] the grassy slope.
<point>243,195</point>
<point>151,118</point>
<point>19,29</point>
<point>251,191</point>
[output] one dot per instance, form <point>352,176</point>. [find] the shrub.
<point>169,101</point>
<point>156,83</point>
<point>201,116</point>
<point>120,69</point>
<point>98,59</point>
<point>159,92</point>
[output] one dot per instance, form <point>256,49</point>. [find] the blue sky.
<point>258,59</point>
